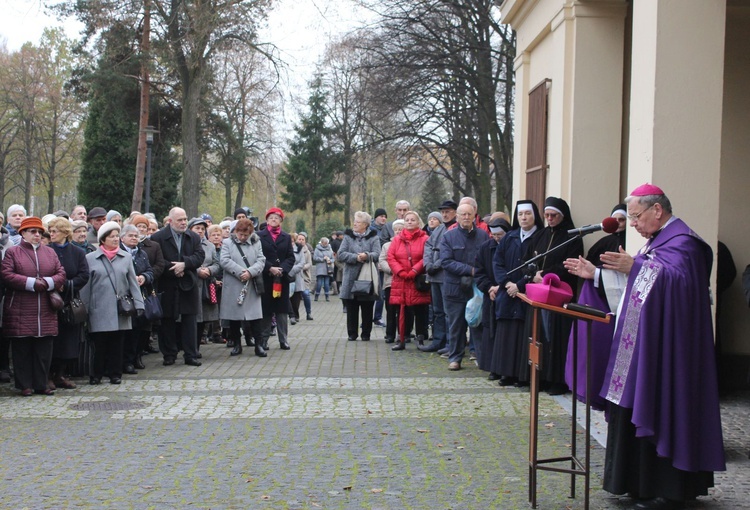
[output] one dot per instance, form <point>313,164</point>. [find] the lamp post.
<point>149,142</point>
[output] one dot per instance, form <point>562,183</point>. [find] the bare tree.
<point>440,67</point>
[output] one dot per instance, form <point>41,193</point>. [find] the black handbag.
<point>152,307</point>
<point>74,312</point>
<point>421,283</point>
<point>126,306</point>
<point>362,286</point>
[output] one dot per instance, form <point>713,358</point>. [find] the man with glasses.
<point>664,438</point>
<point>183,255</point>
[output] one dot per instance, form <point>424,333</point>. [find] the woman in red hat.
<point>30,271</point>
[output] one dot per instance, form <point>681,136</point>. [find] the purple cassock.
<point>601,333</point>
<point>662,360</point>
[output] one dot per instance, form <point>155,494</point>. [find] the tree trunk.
<point>140,163</point>
<point>191,156</point>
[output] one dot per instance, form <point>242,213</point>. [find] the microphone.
<point>609,225</point>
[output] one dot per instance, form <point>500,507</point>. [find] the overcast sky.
<point>299,28</point>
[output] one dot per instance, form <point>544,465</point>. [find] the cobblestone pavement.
<point>330,424</point>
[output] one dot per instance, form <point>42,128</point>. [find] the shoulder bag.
<point>74,312</point>
<point>257,279</point>
<point>364,286</point>
<point>125,303</point>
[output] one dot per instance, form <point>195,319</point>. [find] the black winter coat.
<point>179,295</point>
<point>279,253</point>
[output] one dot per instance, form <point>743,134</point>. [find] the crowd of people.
<point>243,281</point>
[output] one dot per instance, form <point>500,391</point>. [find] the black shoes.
<point>433,347</point>
<point>95,380</point>
<point>399,347</point>
<point>193,362</point>
<point>310,317</point>
<point>507,381</point>
<point>493,376</point>
<point>237,350</point>
<point>139,363</point>
<point>115,380</point>
<point>167,362</point>
<point>293,320</point>
<point>365,338</point>
<point>420,340</point>
<point>260,352</point>
<point>284,346</point>
<point>130,370</point>
<point>557,389</point>
<point>389,339</point>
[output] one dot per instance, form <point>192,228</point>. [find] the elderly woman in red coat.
<point>405,261</point>
<point>30,271</point>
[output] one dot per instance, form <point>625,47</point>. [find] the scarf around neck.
<point>109,253</point>
<point>274,231</point>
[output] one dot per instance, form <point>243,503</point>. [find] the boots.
<point>316,297</point>
<point>260,351</point>
<point>237,350</point>
<point>139,363</point>
<point>400,346</point>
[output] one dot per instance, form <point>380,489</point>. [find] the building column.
<point>676,107</point>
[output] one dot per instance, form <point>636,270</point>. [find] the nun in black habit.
<point>555,327</point>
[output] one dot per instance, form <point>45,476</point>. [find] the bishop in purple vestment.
<point>664,438</point>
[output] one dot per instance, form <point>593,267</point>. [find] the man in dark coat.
<point>279,252</point>
<point>183,255</point>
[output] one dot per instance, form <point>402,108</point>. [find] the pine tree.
<point>433,194</point>
<point>312,168</point>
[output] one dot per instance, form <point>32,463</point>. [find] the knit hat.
<point>275,210</point>
<point>30,222</point>
<point>75,225</point>
<point>139,218</point>
<point>435,214</point>
<point>226,223</point>
<point>240,210</point>
<point>106,228</point>
<point>111,214</point>
<point>380,212</point>
<point>207,217</point>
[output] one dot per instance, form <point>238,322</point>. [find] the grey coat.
<point>431,257</point>
<point>99,295</point>
<point>233,266</point>
<point>208,312</point>
<point>352,245</point>
<point>321,267</point>
<point>301,269</point>
<point>384,267</point>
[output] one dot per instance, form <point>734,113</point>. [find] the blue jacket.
<point>458,253</point>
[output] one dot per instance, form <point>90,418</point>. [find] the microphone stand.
<point>534,259</point>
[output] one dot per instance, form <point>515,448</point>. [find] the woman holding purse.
<point>360,247</point>
<point>242,260</point>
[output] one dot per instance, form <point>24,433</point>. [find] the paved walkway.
<point>330,424</point>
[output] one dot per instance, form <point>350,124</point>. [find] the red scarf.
<point>274,231</point>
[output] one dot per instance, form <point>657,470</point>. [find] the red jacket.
<point>28,313</point>
<point>405,260</point>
